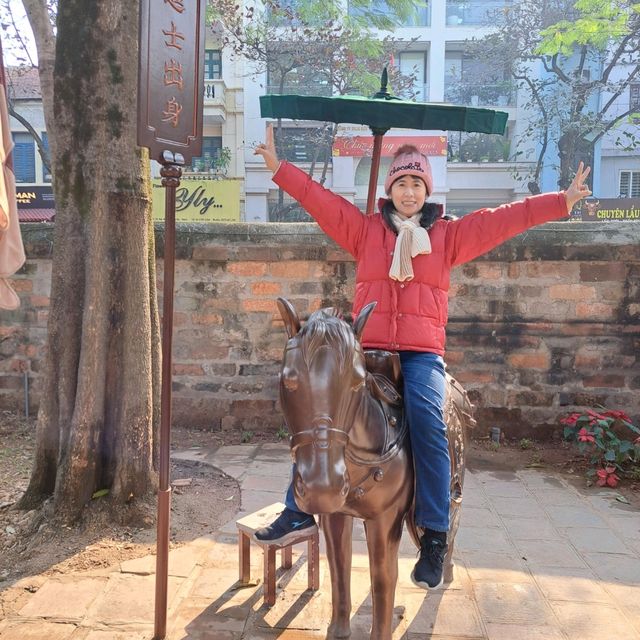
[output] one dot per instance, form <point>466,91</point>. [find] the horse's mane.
<point>325,328</point>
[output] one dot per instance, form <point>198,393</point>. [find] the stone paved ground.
<point>536,560</point>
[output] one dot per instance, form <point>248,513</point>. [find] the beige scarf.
<point>412,240</point>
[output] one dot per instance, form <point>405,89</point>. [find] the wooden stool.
<point>247,527</point>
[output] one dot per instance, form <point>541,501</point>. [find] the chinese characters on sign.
<point>171,76</point>
<point>173,69</point>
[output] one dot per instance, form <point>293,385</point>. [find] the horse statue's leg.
<point>459,421</point>
<point>338,532</point>
<point>383,543</point>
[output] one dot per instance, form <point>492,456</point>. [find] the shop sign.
<point>201,201</point>
<point>359,146</point>
<point>35,197</point>
<point>610,209</point>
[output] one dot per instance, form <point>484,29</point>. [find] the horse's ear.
<point>361,320</point>
<point>290,317</point>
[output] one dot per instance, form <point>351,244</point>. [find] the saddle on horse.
<point>385,383</point>
<point>386,374</point>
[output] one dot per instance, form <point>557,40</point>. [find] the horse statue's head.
<point>323,370</point>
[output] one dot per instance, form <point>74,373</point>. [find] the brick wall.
<point>547,321</point>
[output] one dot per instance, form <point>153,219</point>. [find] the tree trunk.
<point>567,150</point>
<point>101,396</point>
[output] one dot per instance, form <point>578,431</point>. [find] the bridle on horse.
<point>320,436</point>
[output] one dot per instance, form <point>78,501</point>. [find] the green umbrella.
<point>382,112</point>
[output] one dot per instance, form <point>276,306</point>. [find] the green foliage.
<point>282,433</point>
<point>222,161</point>
<point>246,437</point>
<point>311,12</point>
<point>598,22</point>
<point>609,439</point>
<point>307,46</point>
<point>588,50</point>
<point>526,443</point>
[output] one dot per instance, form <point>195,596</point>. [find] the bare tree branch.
<point>612,123</point>
<point>17,33</point>
<point>39,17</point>
<point>42,150</point>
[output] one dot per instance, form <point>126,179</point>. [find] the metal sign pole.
<point>170,101</point>
<point>171,173</point>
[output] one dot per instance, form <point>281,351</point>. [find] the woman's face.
<point>408,194</point>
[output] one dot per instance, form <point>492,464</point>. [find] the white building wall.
<point>472,184</point>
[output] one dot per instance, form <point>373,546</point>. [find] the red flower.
<point>607,477</point>
<point>597,416</point>
<point>584,435</point>
<point>619,415</point>
<point>570,420</point>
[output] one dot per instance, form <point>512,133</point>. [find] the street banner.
<point>200,201</point>
<point>359,146</point>
<point>171,77</point>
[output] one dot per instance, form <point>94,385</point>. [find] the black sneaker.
<point>427,573</point>
<point>286,527</point>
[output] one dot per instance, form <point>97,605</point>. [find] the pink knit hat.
<point>408,161</point>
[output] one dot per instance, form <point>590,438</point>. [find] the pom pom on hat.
<point>408,161</point>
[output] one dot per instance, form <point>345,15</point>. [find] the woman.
<point>404,256</point>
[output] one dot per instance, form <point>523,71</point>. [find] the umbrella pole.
<point>375,167</point>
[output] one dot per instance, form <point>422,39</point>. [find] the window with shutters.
<point>634,101</point>
<point>629,184</point>
<point>24,157</point>
<point>634,95</point>
<point>212,64</point>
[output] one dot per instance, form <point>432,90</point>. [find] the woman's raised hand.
<point>268,151</point>
<point>577,189</point>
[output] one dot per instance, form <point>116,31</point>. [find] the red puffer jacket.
<point>411,315</point>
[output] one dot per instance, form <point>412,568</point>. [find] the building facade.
<point>470,170</point>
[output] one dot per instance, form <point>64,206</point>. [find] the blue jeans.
<point>424,396</point>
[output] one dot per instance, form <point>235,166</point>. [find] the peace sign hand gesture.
<point>577,189</point>
<point>268,151</point>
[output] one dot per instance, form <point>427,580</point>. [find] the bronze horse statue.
<point>350,442</point>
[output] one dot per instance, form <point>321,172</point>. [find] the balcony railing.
<point>472,12</point>
<point>500,94</point>
<point>214,91</point>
